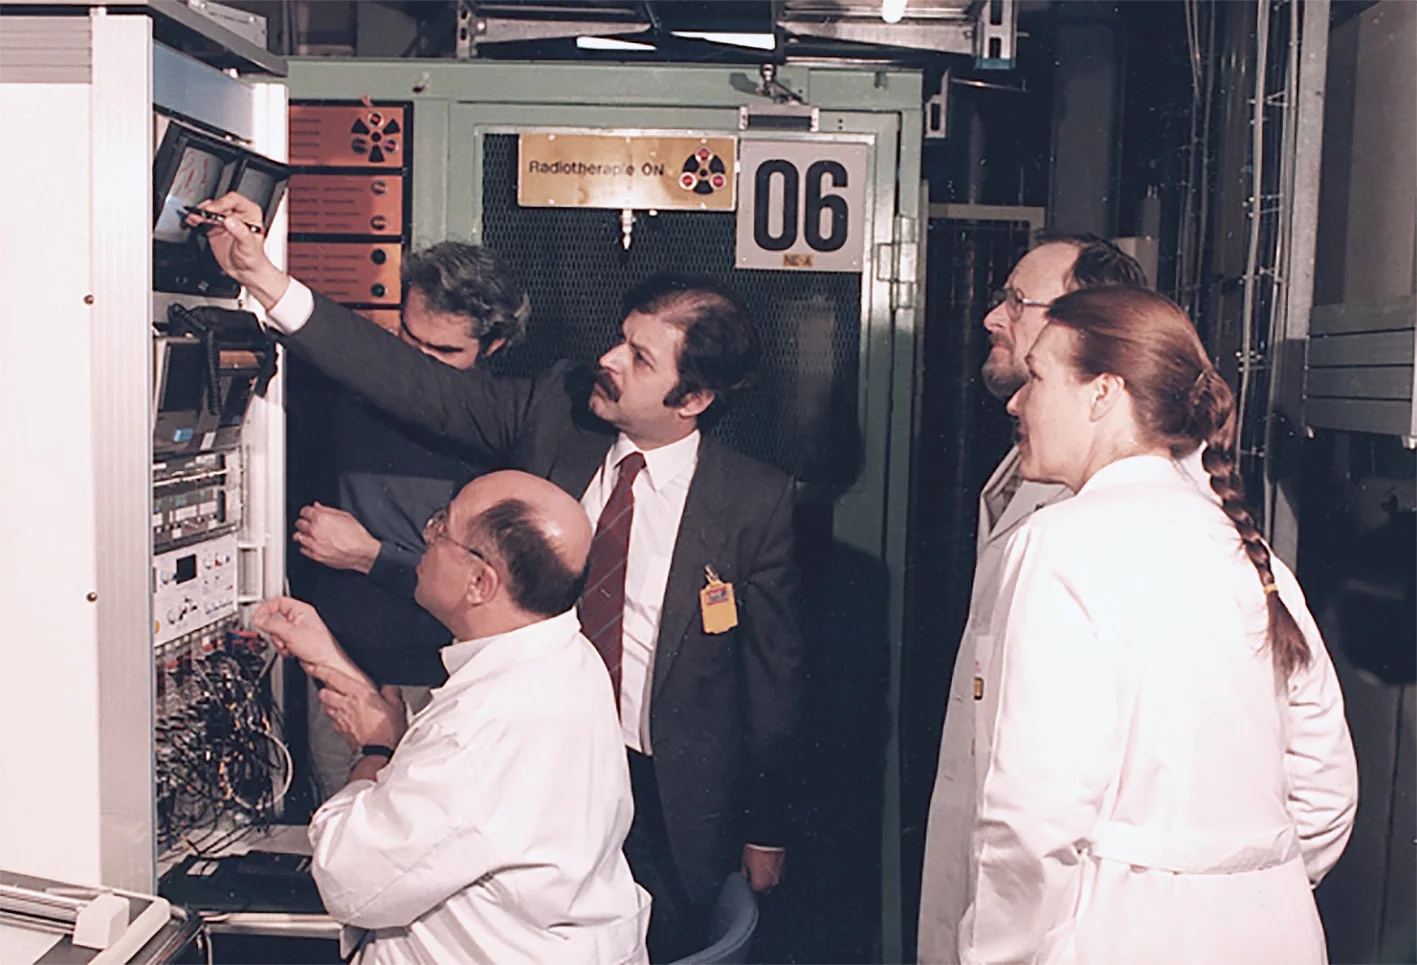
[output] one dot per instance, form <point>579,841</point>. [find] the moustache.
<point>606,383</point>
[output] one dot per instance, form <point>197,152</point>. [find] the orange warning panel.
<point>387,318</point>
<point>346,204</point>
<point>352,135</point>
<point>362,273</point>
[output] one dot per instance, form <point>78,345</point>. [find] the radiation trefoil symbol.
<point>703,172</point>
<point>376,138</point>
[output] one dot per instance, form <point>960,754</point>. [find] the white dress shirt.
<point>659,491</point>
<point>495,832</point>
<point>293,310</point>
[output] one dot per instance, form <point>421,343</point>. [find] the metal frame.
<point>1304,138</point>
<point>78,591</point>
<point>1035,218</point>
<point>121,94</point>
<point>1361,353</point>
<point>181,25</point>
<point>185,86</point>
<point>984,29</point>
<point>48,507</point>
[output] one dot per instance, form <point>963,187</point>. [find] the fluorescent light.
<point>756,41</point>
<point>610,43</point>
<point>892,10</point>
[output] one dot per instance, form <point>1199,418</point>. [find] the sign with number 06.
<point>801,205</point>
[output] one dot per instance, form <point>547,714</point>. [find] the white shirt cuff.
<point>293,310</point>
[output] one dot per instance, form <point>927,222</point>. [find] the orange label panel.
<point>347,136</point>
<point>349,272</point>
<point>386,318</point>
<point>350,204</point>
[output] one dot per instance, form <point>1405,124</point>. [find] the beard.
<point>1001,377</point>
<point>606,383</point>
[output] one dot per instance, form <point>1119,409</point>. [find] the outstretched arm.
<point>471,408</point>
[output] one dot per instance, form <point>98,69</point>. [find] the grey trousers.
<point>330,757</point>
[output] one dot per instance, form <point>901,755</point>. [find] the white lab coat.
<point>495,833</point>
<point>944,887</point>
<point>1152,793</point>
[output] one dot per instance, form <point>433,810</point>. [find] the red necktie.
<point>602,608</point>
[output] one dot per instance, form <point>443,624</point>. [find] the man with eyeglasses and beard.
<point>1057,265</point>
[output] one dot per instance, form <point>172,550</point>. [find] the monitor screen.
<point>238,397</point>
<point>185,378</point>
<point>198,178</point>
<point>257,185</point>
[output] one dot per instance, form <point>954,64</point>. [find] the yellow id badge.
<point>716,603</point>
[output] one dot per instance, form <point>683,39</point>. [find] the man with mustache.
<point>692,591</point>
<point>1054,267</point>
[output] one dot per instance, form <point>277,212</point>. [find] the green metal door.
<point>820,396</point>
<point>821,411</point>
<point>832,407</point>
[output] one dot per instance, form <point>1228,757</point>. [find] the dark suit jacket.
<point>723,708</point>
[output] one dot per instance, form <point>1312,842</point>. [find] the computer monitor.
<point>190,167</point>
<point>201,174</point>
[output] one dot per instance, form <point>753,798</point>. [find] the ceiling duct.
<point>983,29</point>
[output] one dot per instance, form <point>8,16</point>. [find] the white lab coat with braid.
<point>1152,792</point>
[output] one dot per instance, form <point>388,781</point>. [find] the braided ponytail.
<point>1179,400</point>
<point>1213,406</point>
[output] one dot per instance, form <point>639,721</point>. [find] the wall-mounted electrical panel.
<point>349,201</point>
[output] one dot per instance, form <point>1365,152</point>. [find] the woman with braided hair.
<point>1169,772</point>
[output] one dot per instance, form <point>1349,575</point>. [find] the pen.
<point>211,217</point>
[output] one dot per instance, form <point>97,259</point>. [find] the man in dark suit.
<point>692,594</point>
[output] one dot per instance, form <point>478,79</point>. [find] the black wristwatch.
<point>377,750</point>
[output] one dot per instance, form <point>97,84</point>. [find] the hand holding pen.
<point>204,217</point>
<point>233,232</point>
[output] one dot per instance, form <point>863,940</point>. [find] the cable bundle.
<point>218,753</point>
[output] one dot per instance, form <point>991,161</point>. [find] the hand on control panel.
<point>296,630</point>
<point>335,538</point>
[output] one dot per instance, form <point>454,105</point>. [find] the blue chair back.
<point>731,926</point>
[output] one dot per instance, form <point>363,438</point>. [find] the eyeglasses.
<point>437,528</point>
<point>1012,299</point>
